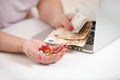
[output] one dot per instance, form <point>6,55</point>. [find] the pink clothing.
<point>12,11</point>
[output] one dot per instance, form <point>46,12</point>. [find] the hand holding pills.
<point>43,53</point>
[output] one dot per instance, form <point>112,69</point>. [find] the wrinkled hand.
<point>62,20</point>
<point>31,49</point>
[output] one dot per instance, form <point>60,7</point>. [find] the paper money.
<point>77,37</point>
<point>68,35</point>
<point>85,30</point>
<point>61,35</point>
<point>56,40</point>
<point>78,21</point>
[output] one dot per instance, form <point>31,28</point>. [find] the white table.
<point>103,65</point>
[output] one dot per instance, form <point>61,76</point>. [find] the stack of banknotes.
<point>78,37</point>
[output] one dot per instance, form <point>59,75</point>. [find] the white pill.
<point>41,51</point>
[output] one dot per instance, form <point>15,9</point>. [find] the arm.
<point>48,9</point>
<point>10,43</point>
<point>51,11</point>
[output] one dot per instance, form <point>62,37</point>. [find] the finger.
<point>54,48</point>
<point>58,26</point>
<point>66,23</point>
<point>58,56</point>
<point>45,60</point>
<point>58,48</point>
<point>69,16</point>
<point>50,59</point>
<point>65,50</point>
<point>37,55</point>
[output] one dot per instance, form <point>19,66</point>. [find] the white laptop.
<point>105,30</point>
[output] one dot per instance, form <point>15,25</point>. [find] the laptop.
<point>104,31</point>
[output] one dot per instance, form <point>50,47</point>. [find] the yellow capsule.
<point>49,52</point>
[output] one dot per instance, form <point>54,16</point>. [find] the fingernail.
<point>66,50</point>
<point>65,45</point>
<point>70,27</point>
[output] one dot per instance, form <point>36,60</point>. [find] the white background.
<point>102,65</point>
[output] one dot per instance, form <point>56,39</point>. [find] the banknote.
<point>62,35</point>
<point>77,37</point>
<point>82,34</point>
<point>55,40</point>
<point>78,21</point>
<point>52,39</point>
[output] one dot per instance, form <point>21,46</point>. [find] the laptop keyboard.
<point>90,40</point>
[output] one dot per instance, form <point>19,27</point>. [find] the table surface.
<point>102,65</point>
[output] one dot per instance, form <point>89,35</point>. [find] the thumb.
<point>66,23</point>
<point>69,16</point>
